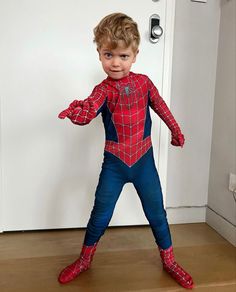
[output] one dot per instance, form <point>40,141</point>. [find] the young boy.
<point>123,99</point>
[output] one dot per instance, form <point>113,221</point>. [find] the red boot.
<point>176,272</point>
<point>80,265</point>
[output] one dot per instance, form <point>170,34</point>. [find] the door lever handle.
<point>155,30</point>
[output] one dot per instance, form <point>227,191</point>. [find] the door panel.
<point>50,167</point>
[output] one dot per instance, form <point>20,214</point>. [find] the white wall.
<point>221,213</point>
<point>192,99</point>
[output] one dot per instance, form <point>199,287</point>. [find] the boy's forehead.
<point>113,45</point>
<point>119,47</point>
<point>108,48</point>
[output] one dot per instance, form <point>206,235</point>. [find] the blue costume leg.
<point>147,184</point>
<point>111,182</point>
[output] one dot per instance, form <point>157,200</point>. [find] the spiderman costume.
<point>128,157</point>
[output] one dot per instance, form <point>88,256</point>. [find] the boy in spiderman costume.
<point>123,99</point>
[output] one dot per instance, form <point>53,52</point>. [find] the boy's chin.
<point>117,75</point>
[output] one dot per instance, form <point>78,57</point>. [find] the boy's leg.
<point>108,190</point>
<point>148,186</point>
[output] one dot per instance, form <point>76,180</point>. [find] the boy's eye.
<point>108,55</point>
<point>124,57</point>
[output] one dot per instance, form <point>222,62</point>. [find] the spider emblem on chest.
<point>127,95</point>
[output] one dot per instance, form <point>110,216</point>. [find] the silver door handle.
<point>155,30</point>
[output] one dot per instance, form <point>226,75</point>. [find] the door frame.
<point>166,93</point>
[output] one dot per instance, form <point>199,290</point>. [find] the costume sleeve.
<point>82,112</point>
<point>159,106</point>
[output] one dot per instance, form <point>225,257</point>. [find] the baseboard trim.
<point>186,214</point>
<point>221,225</point>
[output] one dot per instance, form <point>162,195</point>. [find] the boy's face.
<point>117,62</point>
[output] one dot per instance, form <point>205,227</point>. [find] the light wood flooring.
<point>127,259</point>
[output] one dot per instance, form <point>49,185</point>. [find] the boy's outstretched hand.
<point>64,114</point>
<point>68,112</point>
<point>177,139</point>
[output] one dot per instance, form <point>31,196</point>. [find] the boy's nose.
<point>115,62</point>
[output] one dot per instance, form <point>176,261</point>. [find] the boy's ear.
<point>135,55</point>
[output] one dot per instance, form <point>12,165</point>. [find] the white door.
<point>50,167</point>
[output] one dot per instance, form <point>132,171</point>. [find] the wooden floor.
<point>126,260</point>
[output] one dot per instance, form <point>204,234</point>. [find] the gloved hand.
<point>177,139</point>
<point>64,114</point>
<point>69,111</point>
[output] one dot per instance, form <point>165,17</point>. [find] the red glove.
<point>177,139</point>
<point>64,114</point>
<point>69,111</point>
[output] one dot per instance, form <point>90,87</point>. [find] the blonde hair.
<point>114,28</point>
